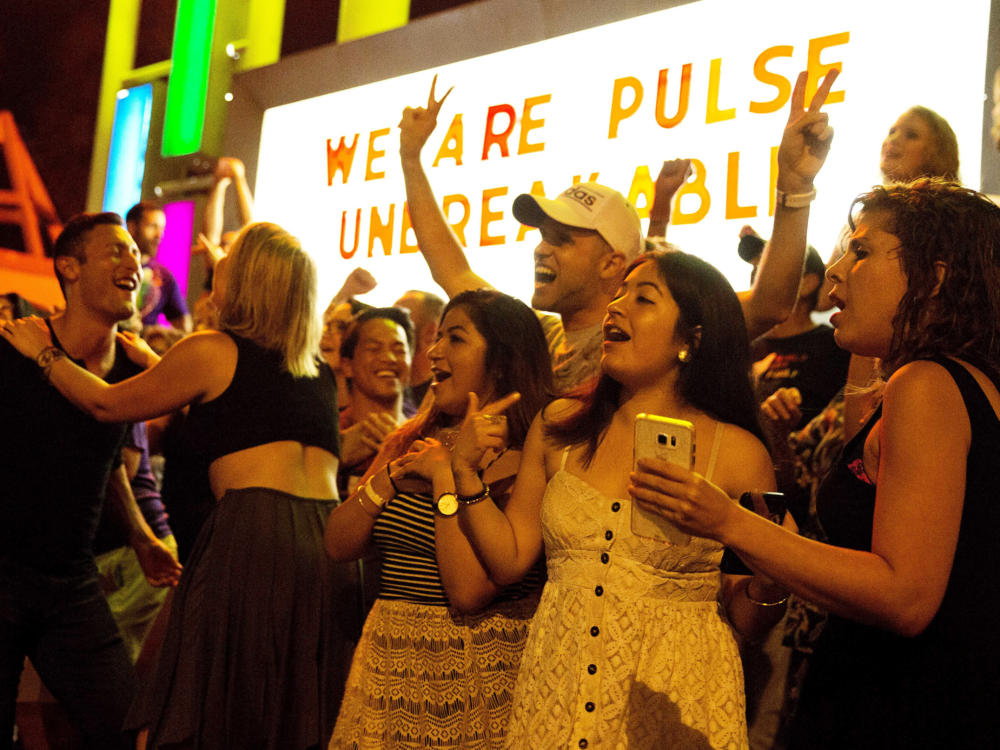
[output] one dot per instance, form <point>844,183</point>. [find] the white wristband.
<point>377,500</point>
<point>798,200</point>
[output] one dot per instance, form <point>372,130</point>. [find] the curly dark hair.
<point>716,380</point>
<point>942,225</point>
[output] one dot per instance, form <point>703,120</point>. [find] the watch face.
<point>447,504</point>
<point>47,357</point>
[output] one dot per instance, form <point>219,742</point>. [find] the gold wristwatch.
<point>447,504</point>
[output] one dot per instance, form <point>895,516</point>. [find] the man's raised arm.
<point>437,241</point>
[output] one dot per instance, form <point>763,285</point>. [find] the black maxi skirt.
<point>260,634</point>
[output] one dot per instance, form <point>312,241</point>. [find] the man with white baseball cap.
<point>590,234</point>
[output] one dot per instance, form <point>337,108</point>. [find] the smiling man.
<point>56,464</point>
<point>590,234</point>
<point>375,356</point>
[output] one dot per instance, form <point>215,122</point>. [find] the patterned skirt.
<point>427,676</point>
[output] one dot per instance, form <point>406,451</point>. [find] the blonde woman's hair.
<point>270,296</point>
<point>943,162</point>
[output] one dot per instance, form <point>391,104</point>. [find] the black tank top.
<point>265,403</point>
<point>869,688</point>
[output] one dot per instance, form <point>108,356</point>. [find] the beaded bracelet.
<point>483,494</point>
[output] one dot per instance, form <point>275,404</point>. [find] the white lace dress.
<point>628,647</point>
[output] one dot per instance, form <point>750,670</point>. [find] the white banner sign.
<point>709,80</point>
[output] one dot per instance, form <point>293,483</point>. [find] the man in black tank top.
<point>55,462</point>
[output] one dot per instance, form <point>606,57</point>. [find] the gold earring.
<point>683,355</point>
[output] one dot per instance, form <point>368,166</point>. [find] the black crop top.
<point>264,403</point>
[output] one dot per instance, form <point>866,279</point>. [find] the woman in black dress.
<point>910,657</point>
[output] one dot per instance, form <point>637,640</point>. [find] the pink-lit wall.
<point>175,247</point>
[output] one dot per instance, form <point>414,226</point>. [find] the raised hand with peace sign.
<point>807,137</point>
<point>804,146</point>
<point>436,240</point>
<point>418,123</point>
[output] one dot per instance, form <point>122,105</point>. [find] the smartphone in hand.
<point>670,440</point>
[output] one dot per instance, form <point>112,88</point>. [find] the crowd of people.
<point>426,525</point>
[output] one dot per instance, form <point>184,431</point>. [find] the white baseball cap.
<point>587,206</point>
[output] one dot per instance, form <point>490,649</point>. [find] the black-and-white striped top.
<point>404,535</point>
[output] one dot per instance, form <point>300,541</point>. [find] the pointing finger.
<point>441,101</point>
<point>501,405</point>
<point>472,408</point>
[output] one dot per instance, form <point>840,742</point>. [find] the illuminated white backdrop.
<point>586,103</point>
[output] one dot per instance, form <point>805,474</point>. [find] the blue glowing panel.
<point>127,157</point>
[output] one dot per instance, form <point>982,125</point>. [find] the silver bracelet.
<point>746,592</point>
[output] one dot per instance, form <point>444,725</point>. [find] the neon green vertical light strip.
<point>184,120</point>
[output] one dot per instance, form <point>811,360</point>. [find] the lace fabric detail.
<point>628,648</point>
<point>426,676</point>
<point>576,519</point>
